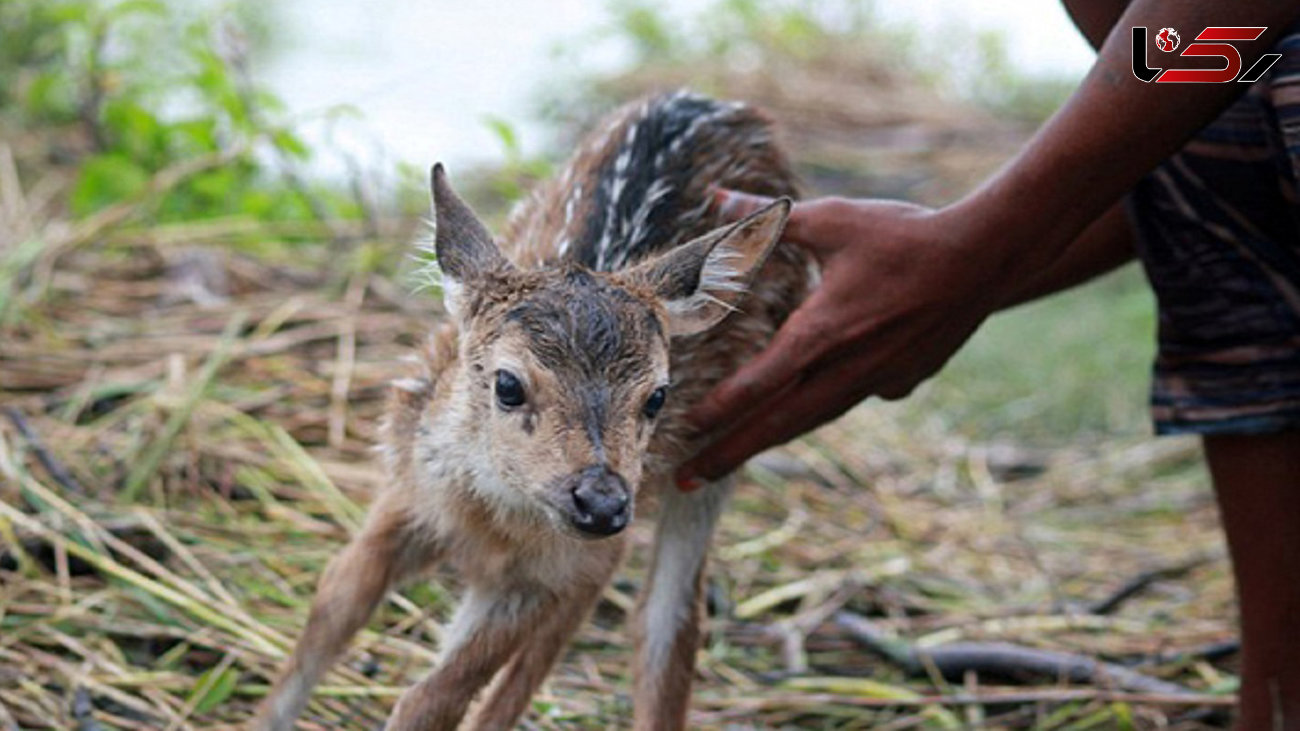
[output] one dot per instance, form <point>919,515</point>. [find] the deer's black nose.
<point>601,505</point>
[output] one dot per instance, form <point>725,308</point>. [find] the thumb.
<point>734,205</point>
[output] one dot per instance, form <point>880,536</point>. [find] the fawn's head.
<point>563,371</point>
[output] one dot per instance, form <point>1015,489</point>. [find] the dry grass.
<point>216,455</point>
<point>187,440</point>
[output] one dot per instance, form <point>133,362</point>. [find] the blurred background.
<point>206,217</point>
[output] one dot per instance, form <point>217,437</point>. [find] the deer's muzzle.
<point>601,503</point>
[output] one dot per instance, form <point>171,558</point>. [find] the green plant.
<point>994,81</point>
<point>756,34</point>
<point>125,89</point>
<point>792,27</point>
<point>519,171</point>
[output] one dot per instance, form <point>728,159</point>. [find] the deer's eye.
<point>655,402</point>
<point>510,392</point>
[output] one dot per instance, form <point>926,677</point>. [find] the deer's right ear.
<point>464,248</point>
<point>703,280</point>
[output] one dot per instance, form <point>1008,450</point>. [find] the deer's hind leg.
<point>515,685</point>
<point>387,551</point>
<point>670,609</point>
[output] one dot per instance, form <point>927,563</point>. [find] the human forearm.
<point>903,286</point>
<point>1095,18</point>
<point>1106,244</point>
<point>1113,130</point>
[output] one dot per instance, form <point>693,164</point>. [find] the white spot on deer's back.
<point>571,203</point>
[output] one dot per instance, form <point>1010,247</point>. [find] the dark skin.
<point>1257,480</point>
<point>1049,219</point>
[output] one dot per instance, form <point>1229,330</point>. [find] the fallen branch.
<point>1209,653</point>
<point>1139,583</point>
<point>953,661</point>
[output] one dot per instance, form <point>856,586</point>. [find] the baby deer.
<point>547,413</point>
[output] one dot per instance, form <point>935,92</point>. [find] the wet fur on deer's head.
<point>561,370</point>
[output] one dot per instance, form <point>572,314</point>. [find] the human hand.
<point>899,295</point>
<point>903,287</point>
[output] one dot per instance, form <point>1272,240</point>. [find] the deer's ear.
<point>702,281</point>
<point>464,248</point>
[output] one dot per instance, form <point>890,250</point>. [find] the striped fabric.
<point>1219,231</point>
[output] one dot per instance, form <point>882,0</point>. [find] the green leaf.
<point>213,688</point>
<point>69,12</point>
<point>344,111</point>
<point>268,102</point>
<point>505,132</point>
<point>216,185</point>
<point>1123,714</point>
<point>136,7</point>
<point>193,137</point>
<point>646,26</point>
<point>105,180</point>
<point>289,143</point>
<point>50,97</point>
<point>136,131</point>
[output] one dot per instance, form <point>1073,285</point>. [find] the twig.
<point>107,565</point>
<point>370,215</point>
<point>52,465</point>
<point>319,210</point>
<point>91,105</point>
<point>236,57</point>
<point>1208,653</point>
<point>1137,584</point>
<point>794,631</point>
<point>345,362</point>
<point>1036,695</point>
<point>820,582</point>
<point>200,690</point>
<point>148,464</point>
<point>15,211</point>
<point>7,721</point>
<point>161,183</point>
<point>999,658</point>
<point>35,259</point>
<point>83,710</point>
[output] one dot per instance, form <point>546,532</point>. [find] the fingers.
<point>796,345</point>
<point>735,205</point>
<point>798,409</point>
<point>800,228</point>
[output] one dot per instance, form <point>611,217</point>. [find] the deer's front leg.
<point>356,580</point>
<point>508,697</point>
<point>669,611</point>
<point>489,626</point>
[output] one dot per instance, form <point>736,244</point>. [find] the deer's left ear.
<point>702,281</point>
<point>464,248</point>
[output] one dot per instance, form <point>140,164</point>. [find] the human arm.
<point>1105,245</point>
<point>903,287</point>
